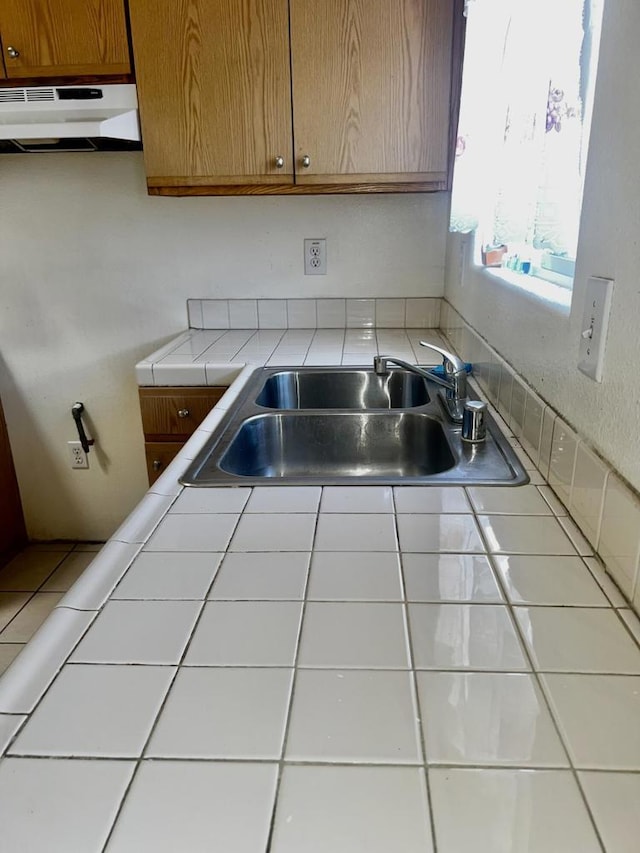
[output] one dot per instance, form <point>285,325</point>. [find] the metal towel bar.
<point>76,411</point>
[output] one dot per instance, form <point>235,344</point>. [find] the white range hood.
<point>69,112</point>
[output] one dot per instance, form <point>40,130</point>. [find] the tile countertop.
<point>328,668</point>
<point>216,357</point>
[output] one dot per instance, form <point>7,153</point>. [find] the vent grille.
<point>41,94</point>
<point>13,96</point>
<point>26,96</point>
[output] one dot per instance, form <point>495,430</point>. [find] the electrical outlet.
<point>315,257</point>
<point>594,327</point>
<point>77,456</point>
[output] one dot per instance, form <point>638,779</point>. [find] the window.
<point>525,117</point>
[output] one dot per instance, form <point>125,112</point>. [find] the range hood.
<point>69,118</point>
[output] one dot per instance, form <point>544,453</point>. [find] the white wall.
<point>542,342</point>
<point>94,275</point>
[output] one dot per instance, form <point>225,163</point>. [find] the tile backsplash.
<point>606,509</point>
<point>392,313</point>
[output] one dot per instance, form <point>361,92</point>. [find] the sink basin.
<point>339,445</point>
<point>347,389</point>
<point>345,426</point>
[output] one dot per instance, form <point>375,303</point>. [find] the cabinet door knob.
<point>13,53</point>
<point>279,162</point>
<point>183,413</point>
<point>306,161</point>
<point>156,465</point>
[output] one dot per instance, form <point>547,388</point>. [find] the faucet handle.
<point>457,364</point>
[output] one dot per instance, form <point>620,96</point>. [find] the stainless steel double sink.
<point>346,426</point>
<point>313,388</point>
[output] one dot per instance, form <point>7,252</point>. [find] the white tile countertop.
<point>313,669</point>
<point>216,357</point>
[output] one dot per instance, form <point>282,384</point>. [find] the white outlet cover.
<point>77,457</point>
<point>315,256</point>
<point>595,322</point>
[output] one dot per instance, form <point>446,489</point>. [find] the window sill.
<point>553,295</point>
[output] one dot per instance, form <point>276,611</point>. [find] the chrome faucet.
<point>454,383</point>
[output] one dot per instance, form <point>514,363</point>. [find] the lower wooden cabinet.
<point>169,417</point>
<point>159,454</point>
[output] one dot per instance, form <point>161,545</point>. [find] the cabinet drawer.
<point>159,454</point>
<point>174,413</point>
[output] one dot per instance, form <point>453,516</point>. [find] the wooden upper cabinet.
<point>346,95</point>
<point>57,38</point>
<point>371,89</point>
<point>214,87</point>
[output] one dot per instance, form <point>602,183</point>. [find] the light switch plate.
<point>595,322</point>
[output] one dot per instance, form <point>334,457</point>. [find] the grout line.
<point>451,553</point>
<point>325,667</point>
<point>434,601</point>
<point>558,512</point>
<point>369,668</point>
<point>411,600</point>
<point>289,711</point>
<point>344,343</point>
<point>605,483</point>
<point>421,733</point>
<point>584,558</point>
<point>382,765</point>
<point>444,553</point>
<point>626,626</point>
<point>555,719</point>
<point>13,738</point>
<point>54,677</point>
<point>564,740</point>
<point>139,759</point>
<point>306,349</point>
<point>332,667</point>
<point>563,768</point>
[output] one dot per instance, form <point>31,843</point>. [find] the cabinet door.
<point>54,38</point>
<point>371,89</point>
<point>159,455</point>
<point>214,86</point>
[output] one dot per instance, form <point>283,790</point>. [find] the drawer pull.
<point>157,465</point>
<point>183,413</point>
